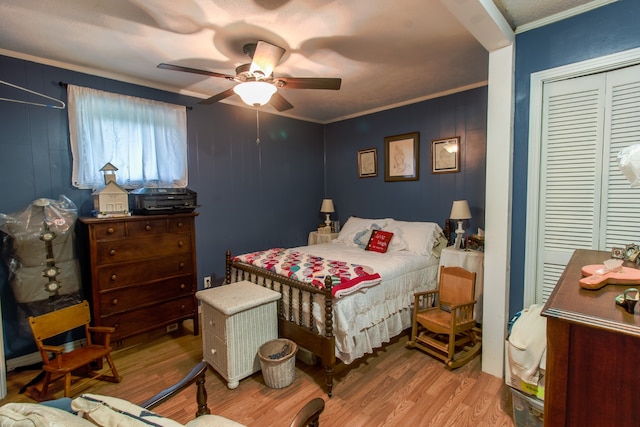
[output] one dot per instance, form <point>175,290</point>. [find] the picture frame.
<point>617,253</point>
<point>368,163</point>
<point>402,157</point>
<point>631,252</point>
<point>445,155</point>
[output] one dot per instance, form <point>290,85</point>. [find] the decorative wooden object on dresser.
<point>143,272</point>
<point>593,347</point>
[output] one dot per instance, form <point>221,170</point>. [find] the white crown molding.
<point>563,15</point>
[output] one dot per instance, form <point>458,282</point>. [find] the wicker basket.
<point>278,373</point>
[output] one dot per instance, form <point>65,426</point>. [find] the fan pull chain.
<point>257,126</point>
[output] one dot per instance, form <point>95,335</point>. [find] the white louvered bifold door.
<point>621,203</point>
<point>585,200</point>
<point>572,129</point>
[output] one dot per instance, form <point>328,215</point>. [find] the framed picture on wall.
<point>445,155</point>
<point>368,163</point>
<point>402,157</point>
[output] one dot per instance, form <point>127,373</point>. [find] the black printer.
<point>155,201</point>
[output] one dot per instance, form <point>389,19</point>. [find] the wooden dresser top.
<point>594,308</point>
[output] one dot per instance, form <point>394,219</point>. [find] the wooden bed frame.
<point>288,326</point>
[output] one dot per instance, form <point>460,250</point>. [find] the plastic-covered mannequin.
<point>26,252</point>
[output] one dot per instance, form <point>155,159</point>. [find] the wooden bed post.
<point>328,315</point>
<point>227,269</point>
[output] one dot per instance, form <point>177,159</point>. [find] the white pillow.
<point>110,411</point>
<point>358,230</point>
<point>416,237</point>
<point>33,414</point>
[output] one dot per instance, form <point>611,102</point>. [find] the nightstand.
<point>315,237</point>
<point>237,319</point>
<point>471,261</point>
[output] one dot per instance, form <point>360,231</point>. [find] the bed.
<point>344,313</point>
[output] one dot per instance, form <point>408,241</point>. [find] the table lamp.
<point>327,208</point>
<point>459,211</point>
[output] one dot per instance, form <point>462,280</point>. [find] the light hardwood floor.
<point>395,386</point>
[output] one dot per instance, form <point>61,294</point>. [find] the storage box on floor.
<point>525,354</point>
<point>527,399</point>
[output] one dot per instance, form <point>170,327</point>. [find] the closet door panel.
<point>621,203</point>
<point>570,178</point>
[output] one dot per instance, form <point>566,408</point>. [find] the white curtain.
<point>146,140</point>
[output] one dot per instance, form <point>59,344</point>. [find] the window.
<point>146,140</point>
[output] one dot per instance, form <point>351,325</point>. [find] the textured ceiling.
<point>387,53</point>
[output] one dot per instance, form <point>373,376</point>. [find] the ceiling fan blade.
<point>194,71</point>
<point>279,103</point>
<point>219,97</point>
<point>308,82</point>
<point>266,57</point>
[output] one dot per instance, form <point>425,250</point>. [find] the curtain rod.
<point>63,84</point>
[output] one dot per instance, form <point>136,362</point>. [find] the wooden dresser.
<point>143,271</point>
<point>593,348</point>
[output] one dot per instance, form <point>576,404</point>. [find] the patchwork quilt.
<point>346,278</point>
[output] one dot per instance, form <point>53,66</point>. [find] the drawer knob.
<point>212,323</point>
<point>116,325</point>
<point>213,351</point>
<point>182,286</point>
<point>112,252</point>
<point>182,307</point>
<point>115,301</point>
<point>181,265</point>
<point>148,227</point>
<point>110,230</point>
<point>180,243</point>
<point>179,225</point>
<point>113,277</point>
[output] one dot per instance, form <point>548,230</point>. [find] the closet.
<point>583,199</point>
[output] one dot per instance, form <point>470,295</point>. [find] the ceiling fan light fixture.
<point>255,93</point>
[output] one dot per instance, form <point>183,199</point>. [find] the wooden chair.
<point>443,320</point>
<point>309,415</point>
<point>64,364</point>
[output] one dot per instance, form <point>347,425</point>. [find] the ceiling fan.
<point>257,85</point>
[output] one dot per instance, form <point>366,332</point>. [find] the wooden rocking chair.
<point>64,364</point>
<point>443,320</point>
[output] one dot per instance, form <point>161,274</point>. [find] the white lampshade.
<point>327,206</point>
<point>460,210</point>
<point>255,93</point>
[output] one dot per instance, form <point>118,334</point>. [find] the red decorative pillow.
<point>379,241</point>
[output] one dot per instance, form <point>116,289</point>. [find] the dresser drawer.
<point>110,230</point>
<point>215,352</point>
<point>132,297</point>
<point>115,251</point>
<point>148,318</point>
<point>116,275</point>
<point>146,227</point>
<point>181,225</point>
<point>214,321</point>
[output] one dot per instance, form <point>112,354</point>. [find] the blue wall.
<point>430,198</point>
<point>251,196</point>
<point>606,30</point>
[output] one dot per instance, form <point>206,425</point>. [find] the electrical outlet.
<point>207,282</point>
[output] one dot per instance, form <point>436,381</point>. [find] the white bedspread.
<point>372,316</point>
